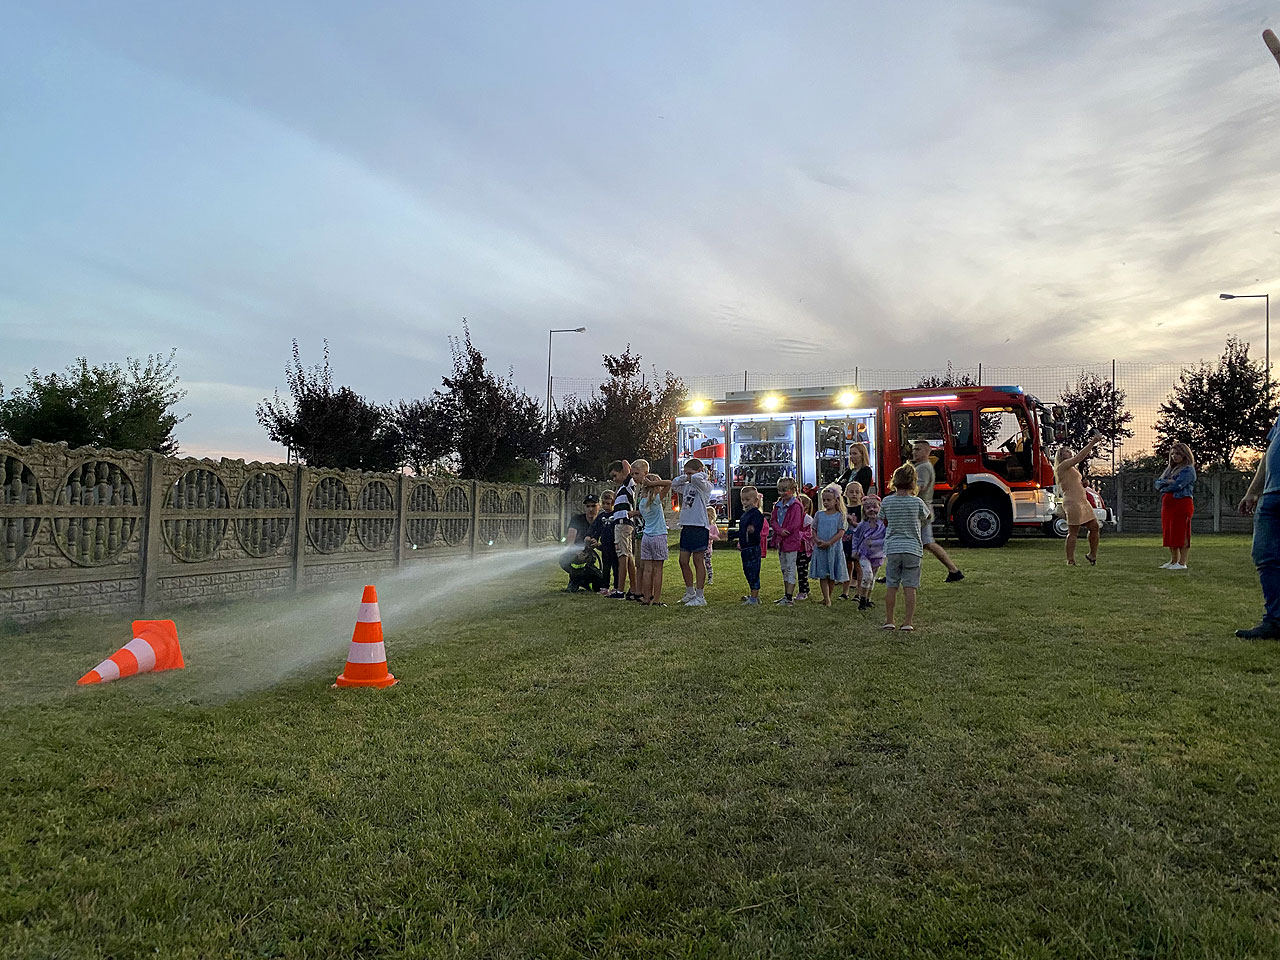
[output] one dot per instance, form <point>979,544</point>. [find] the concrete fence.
<point>1136,501</point>
<point>94,531</point>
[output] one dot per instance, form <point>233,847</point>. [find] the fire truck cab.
<point>987,448</point>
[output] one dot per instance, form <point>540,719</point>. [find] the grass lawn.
<point>1061,762</point>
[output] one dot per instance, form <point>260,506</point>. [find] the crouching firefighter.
<point>584,570</point>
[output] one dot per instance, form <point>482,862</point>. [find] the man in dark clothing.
<point>584,571</point>
<point>585,532</point>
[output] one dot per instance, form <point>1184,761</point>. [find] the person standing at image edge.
<point>1177,504</point>
<point>1262,499</point>
<point>694,490</point>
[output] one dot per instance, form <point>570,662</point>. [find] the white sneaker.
<point>689,595</point>
<point>1167,565</point>
<point>1177,566</point>
<point>697,602</point>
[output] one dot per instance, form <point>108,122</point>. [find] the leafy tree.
<point>989,425</point>
<point>123,408</point>
<point>424,437</point>
<point>630,416</point>
<point>496,429</point>
<point>949,379</point>
<point>329,427</point>
<point>1218,409</point>
<point>1095,404</point>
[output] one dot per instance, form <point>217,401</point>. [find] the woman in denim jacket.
<point>1177,506</point>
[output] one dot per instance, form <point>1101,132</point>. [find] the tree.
<point>1218,409</point>
<point>950,379</point>
<point>630,416</point>
<point>990,425</point>
<point>123,408</point>
<point>424,437</point>
<point>327,427</point>
<point>1095,404</point>
<point>496,429</point>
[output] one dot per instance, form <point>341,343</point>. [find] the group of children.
<point>852,538</point>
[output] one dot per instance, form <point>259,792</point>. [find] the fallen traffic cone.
<point>154,647</point>
<point>367,658</point>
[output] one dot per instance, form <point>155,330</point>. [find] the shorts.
<point>622,540</point>
<point>694,539</point>
<point>926,533</point>
<point>848,550</point>
<point>653,546</point>
<point>902,570</point>
<point>787,559</point>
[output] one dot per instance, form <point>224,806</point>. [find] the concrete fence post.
<point>152,535</point>
<point>1215,484</point>
<point>299,526</point>
<point>528,517</point>
<point>1119,501</point>
<point>402,505</point>
<point>475,515</point>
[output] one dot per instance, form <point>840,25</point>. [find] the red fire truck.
<point>988,448</point>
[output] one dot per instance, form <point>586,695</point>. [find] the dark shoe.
<point>880,580</point>
<point>635,596</point>
<point>1266,630</point>
<point>955,577</point>
<point>1093,561</point>
<point>617,595</point>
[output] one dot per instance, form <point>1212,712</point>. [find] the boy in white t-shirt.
<point>694,490</point>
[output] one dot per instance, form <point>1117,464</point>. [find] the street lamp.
<point>550,333</point>
<point>1266,298</point>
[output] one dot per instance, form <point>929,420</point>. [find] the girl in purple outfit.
<point>868,549</point>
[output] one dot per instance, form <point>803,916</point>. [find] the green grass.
<point>1060,763</point>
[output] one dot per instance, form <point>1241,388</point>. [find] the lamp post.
<point>546,473</point>
<point>1266,299</point>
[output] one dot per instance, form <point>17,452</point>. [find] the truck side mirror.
<point>1059,412</point>
<point>1060,436</point>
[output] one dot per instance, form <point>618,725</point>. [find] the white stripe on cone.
<point>368,613</point>
<point>144,652</point>
<point>367,653</point>
<point>108,670</point>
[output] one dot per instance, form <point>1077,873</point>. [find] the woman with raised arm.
<point>1071,491</point>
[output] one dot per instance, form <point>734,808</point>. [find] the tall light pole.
<point>1266,298</point>
<point>546,473</point>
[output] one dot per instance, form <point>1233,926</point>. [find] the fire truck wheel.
<point>984,521</point>
<point>1057,527</point>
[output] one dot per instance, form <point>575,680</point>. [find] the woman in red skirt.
<point>1177,506</point>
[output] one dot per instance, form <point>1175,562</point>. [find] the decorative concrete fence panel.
<point>89,531</point>
<point>1136,501</point>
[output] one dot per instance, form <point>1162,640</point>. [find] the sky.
<point>723,185</point>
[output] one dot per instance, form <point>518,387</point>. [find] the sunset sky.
<point>725,185</point>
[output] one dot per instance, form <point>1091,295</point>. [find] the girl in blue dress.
<point>828,563</point>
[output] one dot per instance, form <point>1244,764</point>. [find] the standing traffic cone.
<point>154,647</point>
<point>367,658</point>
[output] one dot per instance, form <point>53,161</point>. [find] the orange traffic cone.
<point>154,647</point>
<point>367,658</point>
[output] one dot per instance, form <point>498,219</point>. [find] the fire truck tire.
<point>1057,527</point>
<point>984,521</point>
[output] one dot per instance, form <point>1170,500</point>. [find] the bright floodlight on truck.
<point>846,399</point>
<point>698,407</point>
<point>771,401</point>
